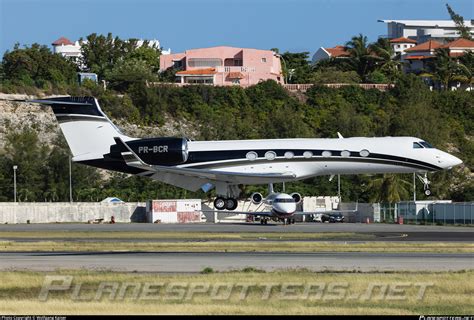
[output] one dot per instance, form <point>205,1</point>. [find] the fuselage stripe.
<point>213,159</point>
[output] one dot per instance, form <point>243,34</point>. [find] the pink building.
<point>222,66</point>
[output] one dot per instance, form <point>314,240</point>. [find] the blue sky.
<point>290,25</point>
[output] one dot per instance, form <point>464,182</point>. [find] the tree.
<point>120,61</point>
<point>24,150</point>
<point>129,71</point>
<point>149,55</point>
<point>333,75</point>
<point>385,58</point>
<point>389,188</point>
<point>296,67</point>
<point>360,58</point>
<point>467,60</point>
<point>445,69</point>
<point>100,53</point>
<point>37,66</point>
<point>464,31</point>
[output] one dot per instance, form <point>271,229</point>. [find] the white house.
<point>424,30</point>
<point>399,45</point>
<point>326,53</point>
<point>67,49</point>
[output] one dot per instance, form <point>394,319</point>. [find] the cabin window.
<point>327,153</point>
<point>289,154</point>
<point>345,153</point>
<point>416,145</point>
<point>270,155</point>
<point>307,154</point>
<point>252,155</point>
<point>364,153</point>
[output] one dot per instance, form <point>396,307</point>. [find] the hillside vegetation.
<point>262,111</point>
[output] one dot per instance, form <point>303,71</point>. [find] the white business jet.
<point>94,140</point>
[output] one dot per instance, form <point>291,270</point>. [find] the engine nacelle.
<point>157,151</point>
<point>297,197</point>
<point>256,197</point>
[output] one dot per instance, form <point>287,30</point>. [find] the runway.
<point>382,232</point>
<point>195,262</point>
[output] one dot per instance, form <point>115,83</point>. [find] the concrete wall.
<point>364,211</point>
<point>38,212</point>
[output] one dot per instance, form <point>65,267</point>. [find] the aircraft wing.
<point>133,160</point>
<point>268,213</point>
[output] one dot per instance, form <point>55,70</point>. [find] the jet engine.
<point>256,198</point>
<point>297,197</point>
<point>157,151</point>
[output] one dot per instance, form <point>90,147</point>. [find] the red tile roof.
<point>402,40</point>
<point>197,72</point>
<point>418,57</point>
<point>426,46</point>
<point>460,43</point>
<point>338,51</point>
<point>62,41</point>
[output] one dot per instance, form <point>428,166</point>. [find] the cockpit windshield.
<point>421,145</point>
<point>426,145</point>
<point>284,200</point>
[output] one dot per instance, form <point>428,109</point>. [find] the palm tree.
<point>467,60</point>
<point>389,188</point>
<point>445,69</point>
<point>385,57</point>
<point>360,59</point>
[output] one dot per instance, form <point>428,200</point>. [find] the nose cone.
<point>450,161</point>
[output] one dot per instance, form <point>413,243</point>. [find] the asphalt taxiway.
<point>222,261</point>
<point>381,232</point>
<point>188,262</point>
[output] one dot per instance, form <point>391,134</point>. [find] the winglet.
<point>340,135</point>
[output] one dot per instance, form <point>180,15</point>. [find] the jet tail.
<point>88,131</point>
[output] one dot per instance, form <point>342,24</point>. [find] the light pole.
<point>14,182</point>
<point>70,180</point>
<point>339,187</point>
<point>414,187</point>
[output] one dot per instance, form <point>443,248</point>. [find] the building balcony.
<point>235,69</point>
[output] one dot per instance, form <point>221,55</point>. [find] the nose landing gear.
<point>426,183</point>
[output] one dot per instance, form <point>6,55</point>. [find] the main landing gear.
<point>426,183</point>
<point>222,203</point>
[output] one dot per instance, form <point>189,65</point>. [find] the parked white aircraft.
<point>94,140</point>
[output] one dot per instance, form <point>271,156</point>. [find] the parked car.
<point>332,217</point>
<point>336,217</point>
<point>327,217</point>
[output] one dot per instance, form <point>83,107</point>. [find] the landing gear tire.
<point>220,203</point>
<point>428,192</point>
<point>231,204</point>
